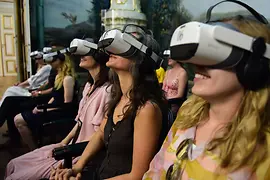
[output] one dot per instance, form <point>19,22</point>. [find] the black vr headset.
<point>221,45</point>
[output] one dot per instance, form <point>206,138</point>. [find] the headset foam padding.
<point>253,70</point>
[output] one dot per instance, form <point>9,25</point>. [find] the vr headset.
<point>124,43</point>
<point>47,50</point>
<point>51,57</point>
<point>220,45</point>
<point>214,44</point>
<point>167,53</point>
<point>36,55</point>
<point>210,45</point>
<point>82,47</point>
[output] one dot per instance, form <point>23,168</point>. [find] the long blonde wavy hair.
<point>244,140</point>
<point>66,69</point>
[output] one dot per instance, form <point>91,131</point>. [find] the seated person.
<point>34,82</point>
<point>175,84</point>
<point>37,164</point>
<point>132,129</point>
<point>63,92</point>
<point>222,131</point>
<point>46,88</point>
<point>13,105</point>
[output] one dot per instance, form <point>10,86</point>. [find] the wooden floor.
<point>5,82</point>
<point>5,155</point>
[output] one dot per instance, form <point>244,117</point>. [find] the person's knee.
<point>19,121</point>
<point>10,89</point>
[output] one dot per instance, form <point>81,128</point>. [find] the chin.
<point>200,92</point>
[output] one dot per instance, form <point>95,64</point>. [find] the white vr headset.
<point>81,47</point>
<point>123,44</point>
<point>167,53</point>
<point>210,45</point>
<point>50,57</point>
<point>47,50</point>
<point>36,55</point>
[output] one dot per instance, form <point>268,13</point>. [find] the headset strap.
<point>258,16</point>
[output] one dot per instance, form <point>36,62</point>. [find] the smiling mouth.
<point>201,76</point>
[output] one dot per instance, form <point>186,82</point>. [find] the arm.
<point>98,116</point>
<point>68,91</point>
<point>156,169</point>
<point>182,79</point>
<point>47,91</point>
<point>42,92</point>
<point>44,85</point>
<point>95,144</point>
<point>68,88</point>
<point>146,136</point>
<point>40,77</point>
<point>24,84</point>
<point>70,136</point>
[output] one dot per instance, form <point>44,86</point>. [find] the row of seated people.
<point>26,95</point>
<point>60,88</point>
<point>124,114</point>
<point>210,138</point>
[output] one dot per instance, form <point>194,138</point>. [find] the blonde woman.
<point>63,92</point>
<point>222,131</point>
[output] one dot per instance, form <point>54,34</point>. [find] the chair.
<point>54,131</point>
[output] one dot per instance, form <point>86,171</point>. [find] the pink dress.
<point>36,164</point>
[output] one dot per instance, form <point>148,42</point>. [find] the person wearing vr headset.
<point>222,130</point>
<point>63,92</point>
<point>37,164</point>
<point>133,128</point>
<point>175,84</point>
<point>34,82</point>
<point>17,98</point>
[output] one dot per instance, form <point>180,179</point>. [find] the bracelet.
<point>39,93</point>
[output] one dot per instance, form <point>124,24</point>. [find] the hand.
<point>61,144</point>
<point>36,110</point>
<point>35,93</point>
<point>16,84</point>
<point>66,174</point>
<point>53,171</point>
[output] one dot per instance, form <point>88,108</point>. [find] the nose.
<point>112,55</point>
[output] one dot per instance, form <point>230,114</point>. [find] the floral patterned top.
<point>198,164</point>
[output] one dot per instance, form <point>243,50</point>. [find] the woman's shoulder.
<point>46,67</point>
<point>69,78</point>
<point>149,108</point>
